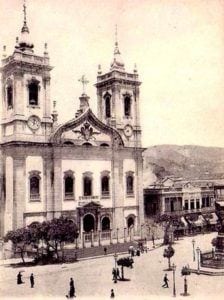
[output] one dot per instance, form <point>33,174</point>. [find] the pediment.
<point>87,129</point>
<point>92,204</point>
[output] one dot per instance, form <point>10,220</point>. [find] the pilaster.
<point>18,192</point>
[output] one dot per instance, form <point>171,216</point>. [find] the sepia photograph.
<point>111,149</point>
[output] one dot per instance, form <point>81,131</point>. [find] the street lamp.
<point>198,253</point>
<point>185,272</point>
<point>193,243</point>
<point>174,286</point>
<point>115,264</point>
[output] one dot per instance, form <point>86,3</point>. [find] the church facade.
<point>89,168</point>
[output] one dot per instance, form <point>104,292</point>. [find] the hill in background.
<point>188,162</point>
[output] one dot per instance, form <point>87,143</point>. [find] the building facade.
<point>193,201</point>
<point>89,168</point>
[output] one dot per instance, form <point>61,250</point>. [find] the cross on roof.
<point>24,11</point>
<point>84,82</point>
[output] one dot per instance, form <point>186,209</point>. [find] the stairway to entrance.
<point>72,254</point>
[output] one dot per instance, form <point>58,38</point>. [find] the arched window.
<point>34,185</point>
<point>107,107</point>
<point>87,184</point>
<point>130,183</point>
<point>9,95</point>
<point>127,106</point>
<point>69,184</point>
<point>105,224</point>
<point>33,88</point>
<point>105,184</point>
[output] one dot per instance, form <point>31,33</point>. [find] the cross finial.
<point>84,82</point>
<point>116,34</point>
<point>24,11</point>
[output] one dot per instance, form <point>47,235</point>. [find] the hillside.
<point>190,162</point>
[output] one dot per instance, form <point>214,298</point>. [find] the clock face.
<point>128,131</point>
<point>33,122</point>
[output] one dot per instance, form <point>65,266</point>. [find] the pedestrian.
<point>19,278</point>
<point>153,240</point>
<point>112,294</point>
<point>72,288</point>
<point>105,250</point>
<point>31,280</point>
<point>165,280</point>
<point>114,273</point>
<point>118,273</point>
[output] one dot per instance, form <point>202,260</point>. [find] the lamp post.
<point>193,243</point>
<point>198,253</point>
<point>185,272</point>
<point>115,264</point>
<point>142,231</point>
<point>174,286</point>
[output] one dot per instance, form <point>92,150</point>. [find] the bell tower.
<point>26,114</point>
<point>118,99</point>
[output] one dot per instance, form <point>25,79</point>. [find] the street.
<point>93,278</point>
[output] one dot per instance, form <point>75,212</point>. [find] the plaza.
<point>93,278</point>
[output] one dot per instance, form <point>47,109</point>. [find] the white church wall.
<point>34,163</point>
<point>9,194</point>
<point>129,165</point>
<point>79,167</point>
<point>32,219</point>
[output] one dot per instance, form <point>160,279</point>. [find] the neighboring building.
<point>89,168</point>
<point>173,196</point>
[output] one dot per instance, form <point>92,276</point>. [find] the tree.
<point>168,253</point>
<point>167,221</point>
<point>49,236</point>
<point>20,239</point>
<point>124,262</point>
<point>53,234</point>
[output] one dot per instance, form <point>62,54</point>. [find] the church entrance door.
<point>88,223</point>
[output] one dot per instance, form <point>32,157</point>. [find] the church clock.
<point>33,122</point>
<point>128,131</point>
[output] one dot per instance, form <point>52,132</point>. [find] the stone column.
<point>57,198</point>
<point>92,238</point>
<point>83,240</point>
<point>117,193</point>
<point>99,237</point>
<point>111,237</point>
<point>125,239</point>
<point>139,187</point>
<point>117,235</point>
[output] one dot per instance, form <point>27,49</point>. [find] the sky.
<point>178,46</point>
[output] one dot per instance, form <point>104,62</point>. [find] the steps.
<point>73,254</point>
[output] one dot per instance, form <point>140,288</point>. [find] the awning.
<point>212,218</point>
<point>220,203</point>
<point>184,222</point>
<point>200,221</point>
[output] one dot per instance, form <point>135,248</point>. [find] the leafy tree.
<point>20,238</point>
<point>168,253</point>
<point>124,262</point>
<point>51,235</point>
<point>167,221</point>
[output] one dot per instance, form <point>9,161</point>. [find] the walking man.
<point>165,280</point>
<point>118,273</point>
<point>114,273</point>
<point>72,288</point>
<point>31,280</point>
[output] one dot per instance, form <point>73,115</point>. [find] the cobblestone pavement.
<point>93,278</point>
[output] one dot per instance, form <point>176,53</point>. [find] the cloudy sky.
<point>178,46</point>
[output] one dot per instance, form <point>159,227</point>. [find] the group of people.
<point>71,292</point>
<point>19,279</point>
